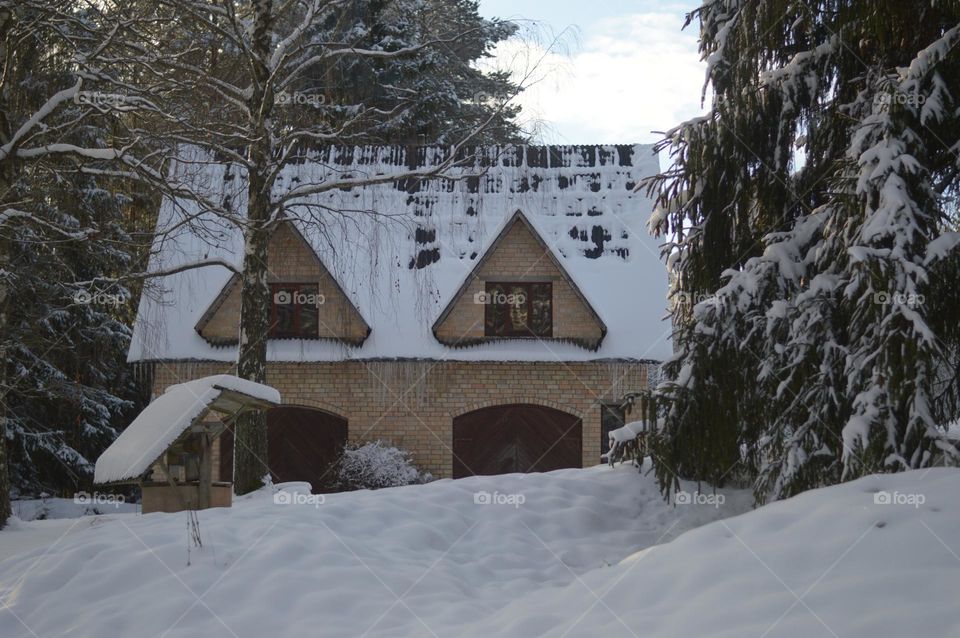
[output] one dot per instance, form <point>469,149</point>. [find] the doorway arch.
<point>516,437</point>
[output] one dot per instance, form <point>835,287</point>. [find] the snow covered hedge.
<point>374,465</point>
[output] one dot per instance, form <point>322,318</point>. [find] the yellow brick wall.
<point>520,257</point>
<point>413,404</point>
<point>292,260</point>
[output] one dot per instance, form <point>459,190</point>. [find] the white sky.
<point>626,68</point>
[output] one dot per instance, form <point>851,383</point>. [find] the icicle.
<point>625,377</point>
<point>404,383</point>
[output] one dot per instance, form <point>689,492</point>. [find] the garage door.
<point>515,438</point>
<point>302,445</point>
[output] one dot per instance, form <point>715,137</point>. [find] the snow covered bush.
<point>374,465</point>
<point>628,444</point>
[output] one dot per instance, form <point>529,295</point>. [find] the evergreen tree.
<point>814,246</point>
<point>70,390</point>
<point>65,386</point>
<point>436,97</point>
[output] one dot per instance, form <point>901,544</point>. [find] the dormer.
<point>519,290</point>
<point>307,302</point>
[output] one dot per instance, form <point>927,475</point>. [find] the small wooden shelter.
<point>168,449</point>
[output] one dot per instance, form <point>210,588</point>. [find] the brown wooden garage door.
<point>515,438</point>
<point>302,445</point>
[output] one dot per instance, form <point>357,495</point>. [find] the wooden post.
<point>205,483</point>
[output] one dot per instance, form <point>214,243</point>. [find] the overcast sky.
<point>624,68</point>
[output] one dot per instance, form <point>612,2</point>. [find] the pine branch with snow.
<point>811,299</point>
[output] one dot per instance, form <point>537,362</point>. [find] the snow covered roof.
<point>402,266</point>
<point>166,418</point>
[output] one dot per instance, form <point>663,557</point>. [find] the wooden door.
<point>302,445</point>
<point>515,438</point>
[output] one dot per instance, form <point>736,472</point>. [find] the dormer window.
<point>509,294</point>
<point>294,311</point>
<point>518,309</point>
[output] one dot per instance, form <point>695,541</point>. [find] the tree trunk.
<point>5,509</point>
<point>6,183</point>
<point>250,448</point>
<point>7,177</point>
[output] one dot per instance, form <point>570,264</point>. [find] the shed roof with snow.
<point>170,415</point>
<point>402,267</point>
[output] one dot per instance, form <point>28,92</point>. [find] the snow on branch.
<point>66,95</point>
<point>7,216</point>
<point>193,265</point>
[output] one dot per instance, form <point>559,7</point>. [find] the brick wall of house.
<point>520,257</point>
<point>293,261</point>
<point>413,404</point>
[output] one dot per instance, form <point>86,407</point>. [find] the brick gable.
<point>291,260</point>
<point>519,254</point>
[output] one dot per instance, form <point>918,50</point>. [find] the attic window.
<point>518,309</point>
<point>294,311</point>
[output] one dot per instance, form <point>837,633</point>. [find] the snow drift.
<point>584,553</point>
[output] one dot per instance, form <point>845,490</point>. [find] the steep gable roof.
<point>401,249</point>
<point>291,259</point>
<point>543,251</point>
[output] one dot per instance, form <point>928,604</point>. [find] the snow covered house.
<point>489,323</point>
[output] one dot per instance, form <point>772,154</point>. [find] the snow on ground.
<point>43,522</point>
<point>875,558</point>
<point>20,537</point>
<point>338,568</point>
<point>571,553</point>
<point>34,509</point>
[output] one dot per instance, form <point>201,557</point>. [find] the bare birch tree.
<point>257,85</point>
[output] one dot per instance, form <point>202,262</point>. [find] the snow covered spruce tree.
<point>259,85</point>
<point>69,391</point>
<point>813,245</point>
<point>63,392</point>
